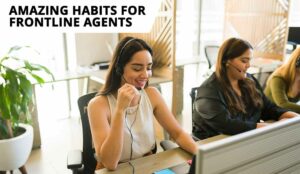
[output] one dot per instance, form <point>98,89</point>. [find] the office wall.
<point>94,47</point>
<point>263,23</point>
<point>294,16</point>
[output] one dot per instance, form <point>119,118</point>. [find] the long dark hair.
<point>230,49</point>
<point>123,53</point>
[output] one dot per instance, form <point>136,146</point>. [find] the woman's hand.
<point>125,95</point>
<point>287,115</point>
<point>263,124</point>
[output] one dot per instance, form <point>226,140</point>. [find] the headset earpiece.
<point>119,69</point>
<point>224,62</point>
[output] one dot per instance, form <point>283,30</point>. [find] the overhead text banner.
<point>105,16</point>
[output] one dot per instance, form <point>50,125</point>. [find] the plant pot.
<point>15,151</point>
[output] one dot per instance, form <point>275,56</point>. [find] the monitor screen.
<point>271,149</point>
<point>294,34</point>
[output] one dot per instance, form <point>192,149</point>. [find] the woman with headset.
<point>231,101</point>
<point>121,115</point>
<point>283,85</point>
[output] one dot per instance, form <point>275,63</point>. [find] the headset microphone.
<point>235,67</point>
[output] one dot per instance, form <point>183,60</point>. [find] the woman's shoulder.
<point>210,86</point>
<point>100,101</point>
<point>154,95</point>
<point>152,91</point>
<point>276,79</point>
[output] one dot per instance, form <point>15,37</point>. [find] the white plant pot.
<point>15,151</point>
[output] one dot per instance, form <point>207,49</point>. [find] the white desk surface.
<point>159,161</point>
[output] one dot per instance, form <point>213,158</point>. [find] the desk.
<point>159,161</point>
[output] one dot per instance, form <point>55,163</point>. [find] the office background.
<point>60,128</point>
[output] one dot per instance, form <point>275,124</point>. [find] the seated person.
<point>283,85</point>
<point>231,101</point>
<point>121,115</point>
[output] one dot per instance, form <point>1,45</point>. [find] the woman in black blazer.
<point>231,101</point>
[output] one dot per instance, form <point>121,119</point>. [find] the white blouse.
<point>138,121</point>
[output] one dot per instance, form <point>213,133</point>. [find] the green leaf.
<point>3,59</point>
<point>3,129</point>
<point>12,81</point>
<point>24,105</point>
<point>38,78</point>
<point>25,86</point>
<point>15,112</point>
<point>14,48</point>
<point>29,66</point>
<point>4,105</point>
<point>41,67</point>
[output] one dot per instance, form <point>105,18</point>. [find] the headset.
<point>298,62</point>
<point>119,71</point>
<point>119,68</point>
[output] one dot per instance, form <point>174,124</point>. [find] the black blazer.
<point>212,117</point>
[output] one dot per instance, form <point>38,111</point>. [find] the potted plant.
<point>16,78</point>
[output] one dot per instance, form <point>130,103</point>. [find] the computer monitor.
<point>271,149</point>
<point>294,35</point>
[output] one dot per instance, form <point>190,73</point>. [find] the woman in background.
<point>231,101</point>
<point>121,115</point>
<point>283,85</point>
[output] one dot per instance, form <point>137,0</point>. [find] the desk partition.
<point>158,161</point>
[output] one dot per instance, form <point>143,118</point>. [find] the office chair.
<point>193,95</point>
<point>168,144</point>
<point>84,161</point>
<point>211,54</point>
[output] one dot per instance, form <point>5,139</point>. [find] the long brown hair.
<point>288,72</point>
<point>123,53</point>
<point>230,49</point>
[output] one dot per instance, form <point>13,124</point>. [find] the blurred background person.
<point>283,85</point>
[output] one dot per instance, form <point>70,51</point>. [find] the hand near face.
<point>125,95</point>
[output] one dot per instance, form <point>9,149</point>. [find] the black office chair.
<point>168,144</point>
<point>84,161</point>
<point>211,54</point>
<point>193,95</point>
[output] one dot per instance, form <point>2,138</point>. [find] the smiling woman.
<point>121,115</point>
<point>231,101</point>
